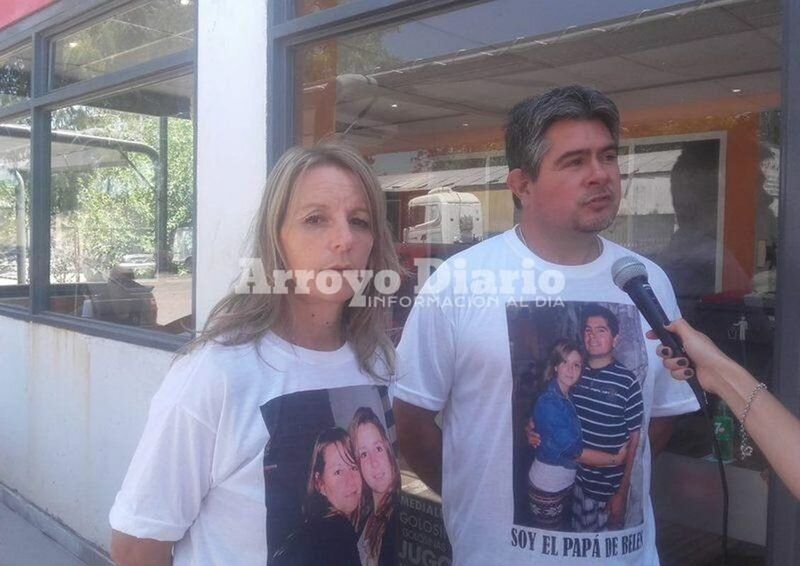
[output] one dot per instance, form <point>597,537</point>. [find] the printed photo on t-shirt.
<point>332,482</point>
<point>578,371</point>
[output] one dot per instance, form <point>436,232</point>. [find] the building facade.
<point>136,135</point>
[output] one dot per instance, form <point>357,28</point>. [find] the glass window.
<point>305,7</point>
<point>15,199</point>
<point>122,190</point>
<point>426,100</point>
<point>15,75</point>
<point>131,36</point>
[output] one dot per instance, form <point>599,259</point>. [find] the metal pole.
<point>22,232</point>
<point>162,206</point>
<point>783,513</point>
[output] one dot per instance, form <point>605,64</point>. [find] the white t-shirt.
<point>478,336</point>
<point>230,430</point>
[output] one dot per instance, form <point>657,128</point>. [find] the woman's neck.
<point>315,325</point>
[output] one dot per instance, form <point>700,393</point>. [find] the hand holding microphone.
<point>630,275</point>
<point>710,362</point>
<point>773,428</point>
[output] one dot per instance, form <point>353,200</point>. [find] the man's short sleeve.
<point>170,472</point>
<point>426,356</point>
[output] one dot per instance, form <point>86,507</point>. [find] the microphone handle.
<point>646,301</point>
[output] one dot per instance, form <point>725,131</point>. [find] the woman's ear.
<point>518,183</point>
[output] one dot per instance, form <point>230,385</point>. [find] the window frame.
<point>783,510</point>
<point>285,32</point>
<point>39,30</point>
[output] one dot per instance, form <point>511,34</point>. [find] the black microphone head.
<point>625,269</point>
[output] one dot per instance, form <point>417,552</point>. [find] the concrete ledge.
<point>55,529</point>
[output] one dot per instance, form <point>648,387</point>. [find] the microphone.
<point>630,275</point>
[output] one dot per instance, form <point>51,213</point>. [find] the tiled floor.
<point>681,546</point>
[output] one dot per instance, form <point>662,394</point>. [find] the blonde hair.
<point>245,318</point>
<point>377,519</point>
<point>558,355</point>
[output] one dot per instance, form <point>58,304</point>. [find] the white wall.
<point>71,410</point>
<point>231,138</point>
<point>72,407</point>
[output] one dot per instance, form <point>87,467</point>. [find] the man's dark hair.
<point>593,309</point>
<point>529,120</point>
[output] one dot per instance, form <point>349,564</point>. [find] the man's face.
<point>578,186</point>
<point>597,337</point>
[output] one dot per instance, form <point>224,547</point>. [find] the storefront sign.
<point>423,540</point>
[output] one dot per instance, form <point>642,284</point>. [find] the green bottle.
<point>723,429</point>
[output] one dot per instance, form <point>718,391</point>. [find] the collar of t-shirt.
<point>600,265</point>
<point>595,371</point>
<point>311,357</point>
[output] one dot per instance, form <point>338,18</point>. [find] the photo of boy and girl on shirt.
<point>332,483</point>
<point>578,412</point>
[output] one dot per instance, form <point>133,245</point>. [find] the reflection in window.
<point>425,100</point>
<point>305,7</point>
<point>15,198</point>
<point>444,216</point>
<point>766,229</point>
<point>669,211</point>
<point>15,76</point>
<point>121,222</point>
<point>131,36</point>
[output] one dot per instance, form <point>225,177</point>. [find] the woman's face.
<point>340,482</point>
<point>327,227</point>
<point>568,372</point>
<point>373,458</point>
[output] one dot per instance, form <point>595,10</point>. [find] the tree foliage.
<point>101,214</point>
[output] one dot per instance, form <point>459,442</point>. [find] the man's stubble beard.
<point>600,223</point>
<point>596,226</point>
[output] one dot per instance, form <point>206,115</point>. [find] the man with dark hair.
<point>454,357</point>
<point>608,400</point>
<point>595,310</point>
<point>529,120</point>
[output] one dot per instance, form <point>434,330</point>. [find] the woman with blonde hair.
<point>552,473</point>
<point>381,474</point>
<point>197,482</point>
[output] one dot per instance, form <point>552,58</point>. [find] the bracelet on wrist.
<point>745,448</point>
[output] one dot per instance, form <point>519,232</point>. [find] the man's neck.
<point>600,362</point>
<point>563,248</point>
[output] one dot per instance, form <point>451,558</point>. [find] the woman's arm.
<point>127,550</point>
<point>773,428</point>
<point>420,440</point>
<point>592,457</point>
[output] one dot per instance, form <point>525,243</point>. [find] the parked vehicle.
<point>182,247</point>
<point>444,216</point>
